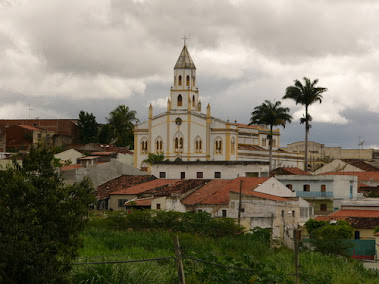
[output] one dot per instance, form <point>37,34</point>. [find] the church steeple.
<point>184,92</point>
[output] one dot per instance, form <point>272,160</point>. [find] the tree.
<point>330,238</point>
<point>105,134</point>
<point>40,220</point>
<point>121,122</point>
<point>305,95</point>
<point>88,127</point>
<point>154,158</point>
<point>270,114</point>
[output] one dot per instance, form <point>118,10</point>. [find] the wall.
<point>227,170</point>
<point>113,201</point>
<point>168,203</point>
<point>337,166</point>
<point>100,173</point>
<point>275,187</point>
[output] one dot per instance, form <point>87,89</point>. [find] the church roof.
<point>185,60</point>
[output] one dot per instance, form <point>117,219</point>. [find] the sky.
<point>58,57</point>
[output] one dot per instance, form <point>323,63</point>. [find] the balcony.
<point>314,194</point>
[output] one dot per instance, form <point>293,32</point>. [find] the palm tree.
<point>154,158</point>
<point>270,114</point>
<point>305,95</point>
<point>121,122</point>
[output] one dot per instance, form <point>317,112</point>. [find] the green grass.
<point>269,265</point>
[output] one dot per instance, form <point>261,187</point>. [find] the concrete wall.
<point>168,203</point>
<point>69,155</point>
<point>274,187</point>
<point>337,166</point>
<point>100,173</point>
<point>113,201</point>
<point>228,171</point>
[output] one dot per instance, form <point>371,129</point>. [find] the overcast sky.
<point>63,56</point>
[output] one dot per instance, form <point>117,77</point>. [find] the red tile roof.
<point>355,213</point>
<point>249,147</point>
<point>122,182</point>
<point>141,202</point>
<point>362,219</point>
<point>29,127</point>
<point>71,167</point>
<point>361,165</point>
<point>180,187</point>
<point>289,171</point>
<point>362,176</point>
<point>217,191</point>
<point>102,153</point>
<point>141,188</point>
<point>266,196</point>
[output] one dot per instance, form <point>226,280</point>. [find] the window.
<point>323,207</point>
<point>218,146</point>
<point>289,186</point>
<point>199,210</point>
<point>323,188</point>
<point>198,145</point>
<point>306,187</point>
<point>182,175</point>
<point>158,206</point>
<point>273,143</point>
<point>193,81</point>
<point>178,143</point>
<point>180,100</point>
<point>193,100</point>
<point>162,174</point>
<point>251,174</point>
<point>121,202</point>
<point>159,145</point>
<point>282,213</point>
<point>293,213</point>
<point>199,175</point>
<point>357,235</point>
<point>188,81</point>
<point>233,146</point>
<point>224,213</point>
<point>144,146</point>
<point>217,174</point>
<point>180,80</point>
<point>264,141</point>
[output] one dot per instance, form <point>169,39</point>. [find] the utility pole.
<point>239,204</point>
<point>296,234</point>
<point>179,263</point>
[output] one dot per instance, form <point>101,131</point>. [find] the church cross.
<point>184,38</point>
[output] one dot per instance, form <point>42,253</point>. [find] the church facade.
<point>184,133</point>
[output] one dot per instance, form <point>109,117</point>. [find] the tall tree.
<point>270,114</point>
<point>121,121</point>
<point>305,95</point>
<point>88,127</point>
<point>40,220</point>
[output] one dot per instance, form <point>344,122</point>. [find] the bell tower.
<point>184,95</point>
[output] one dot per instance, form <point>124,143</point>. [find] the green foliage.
<point>121,123</point>
<point>330,238</point>
<point>88,127</point>
<point>105,134</point>
<point>376,229</point>
<point>40,220</point>
<point>154,158</point>
<point>189,222</point>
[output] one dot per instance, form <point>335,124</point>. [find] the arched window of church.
<point>193,100</point>
<point>180,80</point>
<point>218,146</point>
<point>144,146</point>
<point>233,146</point>
<point>159,145</point>
<point>188,81</point>
<point>198,145</point>
<point>180,100</point>
<point>193,81</point>
<point>181,142</point>
<point>176,144</point>
<point>174,80</point>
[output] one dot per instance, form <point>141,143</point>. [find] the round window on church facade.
<point>178,121</point>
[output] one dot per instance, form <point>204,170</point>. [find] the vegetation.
<point>305,95</point>
<point>376,229</point>
<point>154,158</point>
<point>88,127</point>
<point>250,251</point>
<point>40,220</point>
<point>330,238</point>
<point>270,114</point>
<point>121,122</point>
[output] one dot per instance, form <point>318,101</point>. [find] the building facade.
<point>184,132</point>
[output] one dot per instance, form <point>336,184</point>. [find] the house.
<point>98,172</point>
<point>370,178</point>
<point>22,137</point>
<point>179,169</point>
<point>68,157</point>
<point>66,131</point>
<point>346,165</point>
<point>289,171</point>
<point>265,203</point>
<point>122,182</point>
<point>326,192</point>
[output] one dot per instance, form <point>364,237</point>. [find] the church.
<point>184,133</point>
